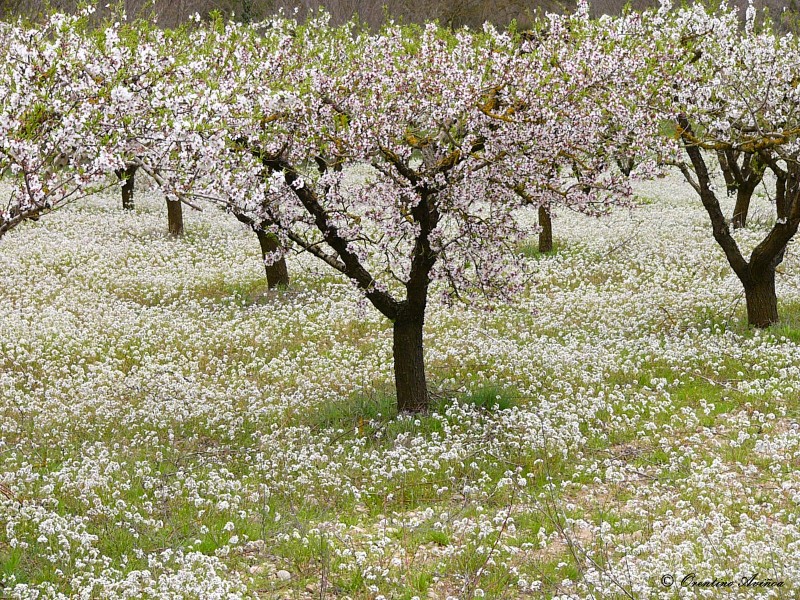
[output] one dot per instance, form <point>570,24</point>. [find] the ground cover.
<point>170,429</point>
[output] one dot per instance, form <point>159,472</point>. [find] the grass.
<point>355,412</point>
<point>789,325</point>
<point>492,398</point>
<point>531,249</point>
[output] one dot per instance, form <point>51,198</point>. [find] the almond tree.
<point>737,98</point>
<point>149,62</point>
<point>72,111</point>
<point>440,128</point>
<point>54,147</point>
<point>743,171</point>
<point>599,62</point>
<point>171,126</point>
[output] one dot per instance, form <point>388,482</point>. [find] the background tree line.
<point>456,13</point>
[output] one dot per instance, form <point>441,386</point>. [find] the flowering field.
<point>171,429</point>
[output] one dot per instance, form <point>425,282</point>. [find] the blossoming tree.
<point>74,104</point>
<point>443,130</point>
<point>54,147</point>
<point>737,98</point>
<point>151,64</point>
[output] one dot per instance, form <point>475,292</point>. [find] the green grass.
<point>354,412</point>
<point>530,249</point>
<point>492,398</point>
<point>789,325</point>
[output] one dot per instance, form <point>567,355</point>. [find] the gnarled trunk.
<point>546,234</point>
<point>409,363</point>
<point>277,272</point>
<point>758,274</point>
<point>175,217</point>
<point>762,301</point>
<point>127,176</point>
<point>407,316</point>
<point>743,196</point>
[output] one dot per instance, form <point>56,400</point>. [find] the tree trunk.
<point>175,217</point>
<point>762,301</point>
<point>742,207</point>
<point>546,235</point>
<point>277,272</point>
<point>625,164</point>
<point>409,364</point>
<point>758,274</point>
<point>127,175</point>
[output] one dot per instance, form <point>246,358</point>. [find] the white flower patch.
<point>152,392</point>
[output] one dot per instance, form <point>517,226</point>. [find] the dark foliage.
<point>472,13</point>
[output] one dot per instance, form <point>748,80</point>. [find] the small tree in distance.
<point>74,103</point>
<point>149,60</point>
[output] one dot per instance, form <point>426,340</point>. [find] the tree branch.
<point>350,264</point>
<point>720,226</point>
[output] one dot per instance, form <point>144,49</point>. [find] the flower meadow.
<point>172,429</point>
<point>418,400</point>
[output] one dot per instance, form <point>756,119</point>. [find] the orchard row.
<point>456,135</point>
